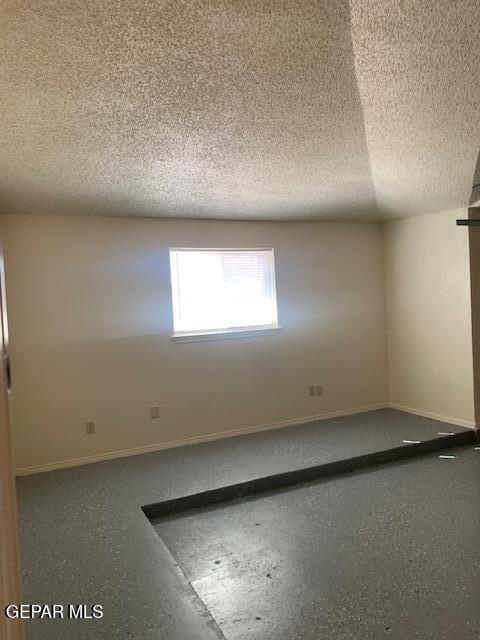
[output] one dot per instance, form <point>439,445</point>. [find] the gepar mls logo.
<point>54,611</point>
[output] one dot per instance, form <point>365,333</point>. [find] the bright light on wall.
<point>222,289</point>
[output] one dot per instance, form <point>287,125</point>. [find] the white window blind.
<point>222,289</point>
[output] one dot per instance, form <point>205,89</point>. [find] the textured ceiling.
<point>280,109</point>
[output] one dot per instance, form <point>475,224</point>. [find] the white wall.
<point>429,315</point>
<point>90,313</point>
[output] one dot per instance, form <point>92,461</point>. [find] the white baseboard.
<point>111,455</point>
<point>470,424</point>
<point>76,462</point>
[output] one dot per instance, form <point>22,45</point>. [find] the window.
<point>222,290</point>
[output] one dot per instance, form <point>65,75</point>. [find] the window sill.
<point>225,334</point>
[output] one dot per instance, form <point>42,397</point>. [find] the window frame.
<point>226,332</point>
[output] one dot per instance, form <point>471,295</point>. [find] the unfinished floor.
<point>389,552</point>
<point>370,555</point>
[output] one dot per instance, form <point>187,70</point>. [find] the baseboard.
<point>111,455</point>
<point>151,448</point>
<point>470,424</point>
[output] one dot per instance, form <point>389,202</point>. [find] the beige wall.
<point>429,316</point>
<point>90,312</point>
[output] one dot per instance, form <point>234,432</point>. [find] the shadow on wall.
<point>475,195</point>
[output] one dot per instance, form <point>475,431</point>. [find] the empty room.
<point>240,320</point>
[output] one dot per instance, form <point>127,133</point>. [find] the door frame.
<point>9,567</point>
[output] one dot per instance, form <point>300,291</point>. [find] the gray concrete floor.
<point>387,553</point>
<point>84,538</point>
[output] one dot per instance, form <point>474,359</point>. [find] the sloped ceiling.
<point>239,108</point>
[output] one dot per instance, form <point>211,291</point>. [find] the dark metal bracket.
<point>474,222</point>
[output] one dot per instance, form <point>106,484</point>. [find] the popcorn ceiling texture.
<point>418,71</point>
<point>226,109</point>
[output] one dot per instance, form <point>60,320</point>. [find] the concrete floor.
<point>388,553</point>
<point>85,539</point>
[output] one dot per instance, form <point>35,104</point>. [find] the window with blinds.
<point>220,290</point>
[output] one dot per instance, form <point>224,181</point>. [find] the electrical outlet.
<point>319,389</point>
<point>90,427</point>
<point>154,413</point>
<point>311,390</point>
